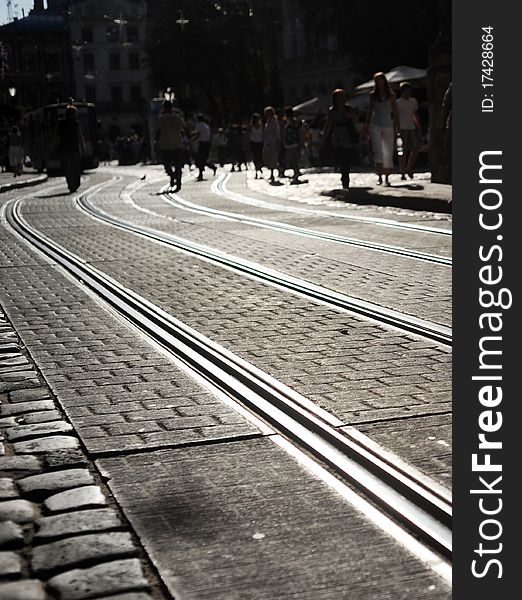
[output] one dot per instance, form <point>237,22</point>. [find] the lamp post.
<point>12,92</point>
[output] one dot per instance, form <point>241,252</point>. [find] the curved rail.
<point>380,314</point>
<point>419,505</point>
<point>177,201</point>
<point>220,187</point>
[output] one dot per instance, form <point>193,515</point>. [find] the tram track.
<point>220,187</point>
<point>420,506</point>
<point>338,301</point>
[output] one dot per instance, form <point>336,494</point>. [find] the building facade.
<point>36,57</point>
<point>312,62</point>
<point>109,63</point>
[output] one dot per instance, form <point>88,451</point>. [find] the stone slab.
<point>86,496</point>
<point>85,521</point>
<point>24,432</point>
<point>43,416</point>
<point>10,564</point>
<point>7,488</point>
<point>56,481</point>
<point>74,551</point>
<point>26,407</point>
<point>47,444</point>
<point>116,576</point>
<point>11,535</point>
<point>216,520</point>
<point>30,589</point>
<point>29,395</point>
<point>19,511</point>
<point>11,464</point>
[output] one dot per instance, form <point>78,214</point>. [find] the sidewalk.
<point>9,182</point>
<point>418,193</point>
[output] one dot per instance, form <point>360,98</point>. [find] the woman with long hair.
<point>382,125</point>
<point>340,133</point>
<point>255,136</point>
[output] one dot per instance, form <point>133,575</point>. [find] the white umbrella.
<point>396,75</point>
<point>314,105</point>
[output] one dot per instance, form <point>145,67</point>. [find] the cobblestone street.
<point>127,474</point>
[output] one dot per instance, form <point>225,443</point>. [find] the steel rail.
<point>418,506</point>
<point>220,187</point>
<point>379,314</point>
<point>177,201</point>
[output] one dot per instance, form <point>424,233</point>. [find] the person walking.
<point>202,136</point>
<point>293,139</point>
<point>15,151</point>
<point>409,124</point>
<point>340,133</point>
<point>71,147</point>
<point>270,141</point>
<point>381,125</point>
<point>255,133</point>
<point>169,143</point>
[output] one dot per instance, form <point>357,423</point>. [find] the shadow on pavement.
<point>364,195</point>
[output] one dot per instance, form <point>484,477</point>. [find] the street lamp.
<point>12,91</point>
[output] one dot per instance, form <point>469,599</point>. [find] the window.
<point>116,96</point>
<point>112,33</point>
<point>90,93</point>
<point>88,62</point>
<point>114,62</point>
<point>135,93</point>
<point>87,34</point>
<point>134,61</point>
<point>132,33</point>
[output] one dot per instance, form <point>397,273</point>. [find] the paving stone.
<point>12,464</point>
<point>135,596</point>
<point>25,407</point>
<point>84,521</point>
<point>7,488</point>
<point>19,511</point>
<point>17,377</point>
<point>89,495</point>
<point>43,416</point>
<point>9,386</point>
<point>56,481</point>
<point>11,535</point>
<point>23,432</point>
<point>30,589</point>
<point>29,395</point>
<point>13,361</point>
<point>116,576</point>
<point>47,444</point>
<point>8,422</point>
<point>73,551</point>
<point>10,564</point>
<point>65,458</point>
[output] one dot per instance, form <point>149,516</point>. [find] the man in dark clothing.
<point>169,143</point>
<point>71,147</point>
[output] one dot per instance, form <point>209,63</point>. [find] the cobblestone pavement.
<point>8,182</point>
<point>137,415</point>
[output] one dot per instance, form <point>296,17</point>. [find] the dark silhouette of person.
<point>202,136</point>
<point>169,143</point>
<point>71,147</point>
<point>339,131</point>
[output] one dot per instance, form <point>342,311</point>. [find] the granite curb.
<point>62,535</point>
<point>7,187</point>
